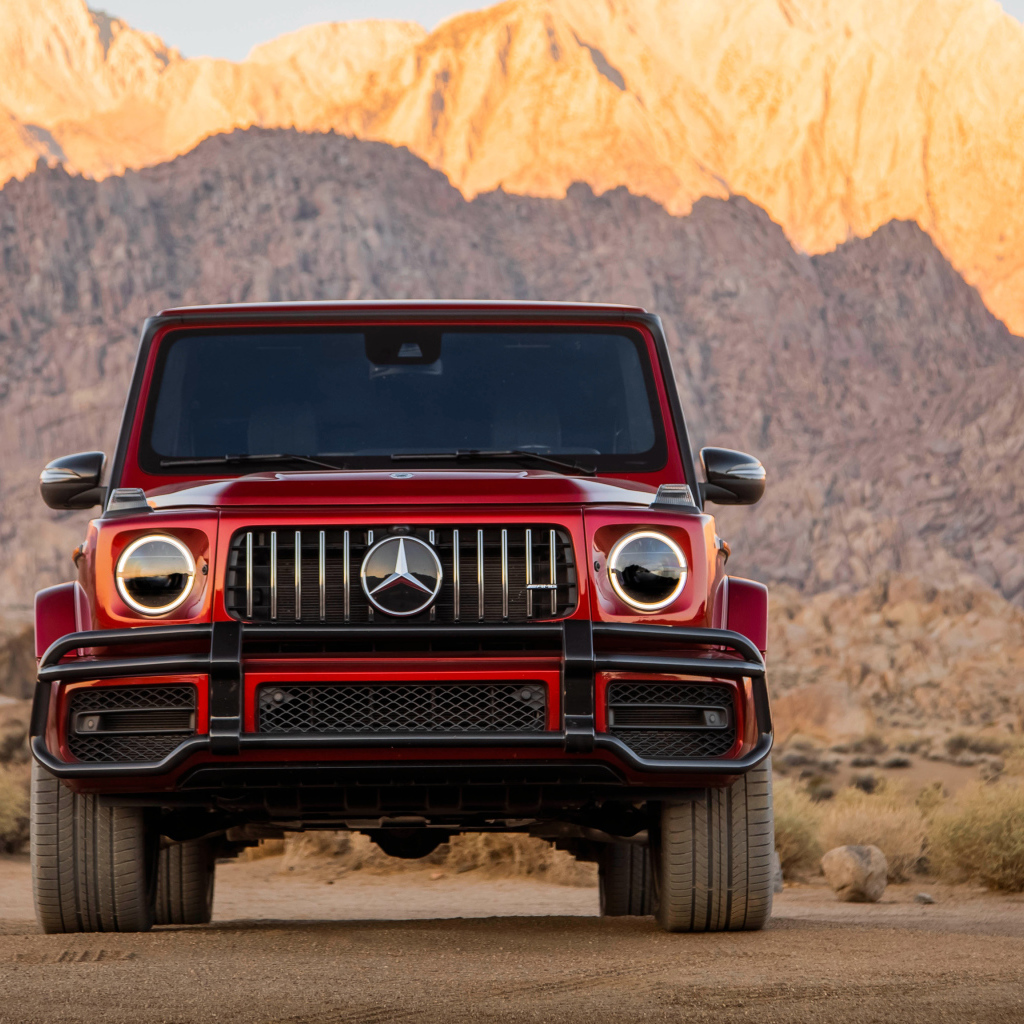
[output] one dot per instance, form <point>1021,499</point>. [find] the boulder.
<point>857,874</point>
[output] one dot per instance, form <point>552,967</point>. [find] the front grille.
<point>359,708</point>
<point>671,720</point>
<point>134,705</point>
<point>489,575</point>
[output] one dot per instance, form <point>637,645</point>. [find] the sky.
<point>230,28</point>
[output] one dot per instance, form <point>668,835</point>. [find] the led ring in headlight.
<point>647,570</point>
<point>155,574</point>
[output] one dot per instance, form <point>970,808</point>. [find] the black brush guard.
<point>709,653</point>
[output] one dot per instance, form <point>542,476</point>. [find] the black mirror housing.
<point>733,478</point>
<point>73,482</point>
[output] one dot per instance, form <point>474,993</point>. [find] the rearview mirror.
<point>73,481</point>
<point>733,478</point>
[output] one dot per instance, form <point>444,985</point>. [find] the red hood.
<point>390,487</point>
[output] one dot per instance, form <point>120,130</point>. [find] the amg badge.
<point>401,575</point>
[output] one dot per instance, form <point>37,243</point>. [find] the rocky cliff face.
<point>887,403</point>
<point>835,116</point>
<point>901,653</point>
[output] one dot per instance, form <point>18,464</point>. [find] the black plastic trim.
<point>578,685</point>
<point>226,690</point>
<point>654,325</point>
<point>227,642</point>
<point>274,634</point>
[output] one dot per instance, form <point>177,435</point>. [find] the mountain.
<point>886,401</point>
<point>834,116</point>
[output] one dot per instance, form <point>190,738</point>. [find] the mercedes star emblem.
<point>401,575</point>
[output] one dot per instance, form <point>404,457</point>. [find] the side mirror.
<point>733,478</point>
<point>73,481</point>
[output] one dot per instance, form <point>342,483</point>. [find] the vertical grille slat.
<point>248,575</point>
<point>273,574</point>
<point>322,573</point>
<point>553,571</point>
<point>480,577</point>
<point>345,570</point>
<point>456,585</point>
<point>504,574</point>
<point>529,573</point>
<point>298,575</point>
<point>487,574</point>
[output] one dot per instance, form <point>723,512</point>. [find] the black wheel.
<point>624,876</point>
<point>92,866</point>
<point>184,883</point>
<point>714,858</point>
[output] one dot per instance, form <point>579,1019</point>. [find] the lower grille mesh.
<point>670,743</point>
<point>641,701</point>
<point>361,708</point>
<point>131,747</point>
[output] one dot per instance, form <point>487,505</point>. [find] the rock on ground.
<point>857,874</point>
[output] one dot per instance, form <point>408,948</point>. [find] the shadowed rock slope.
<point>884,398</point>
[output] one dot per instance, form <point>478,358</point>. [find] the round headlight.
<point>155,574</point>
<point>647,570</point>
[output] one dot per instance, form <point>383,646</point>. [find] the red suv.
<point>410,569</point>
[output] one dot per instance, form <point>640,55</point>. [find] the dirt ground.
<point>305,948</point>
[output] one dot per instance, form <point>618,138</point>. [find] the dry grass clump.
<point>498,855</point>
<point>797,821</point>
<point>884,819</point>
<point>979,837</point>
<point>13,807</point>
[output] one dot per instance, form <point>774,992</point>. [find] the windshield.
<point>365,398</point>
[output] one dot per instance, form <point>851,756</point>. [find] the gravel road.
<point>294,949</point>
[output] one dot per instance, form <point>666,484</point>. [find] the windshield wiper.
<point>228,460</point>
<point>512,454</point>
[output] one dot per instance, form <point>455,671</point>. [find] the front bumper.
<point>218,651</point>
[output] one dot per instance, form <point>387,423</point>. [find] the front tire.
<point>92,866</point>
<point>624,877</point>
<point>184,883</point>
<point>714,863</point>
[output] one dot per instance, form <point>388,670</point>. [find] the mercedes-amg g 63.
<point>410,569</point>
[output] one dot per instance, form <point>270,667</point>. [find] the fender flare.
<point>742,606</point>
<point>60,610</point>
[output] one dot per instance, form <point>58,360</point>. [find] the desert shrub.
<point>14,781</point>
<point>963,743</point>
<point>870,744</point>
<point>13,742</point>
<point>797,820</point>
<point>980,837</point>
<point>884,819</point>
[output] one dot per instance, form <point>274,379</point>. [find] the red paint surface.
<point>748,611</point>
<point>55,614</point>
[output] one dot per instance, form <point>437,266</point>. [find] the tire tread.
<point>714,863</point>
<point>89,862</point>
